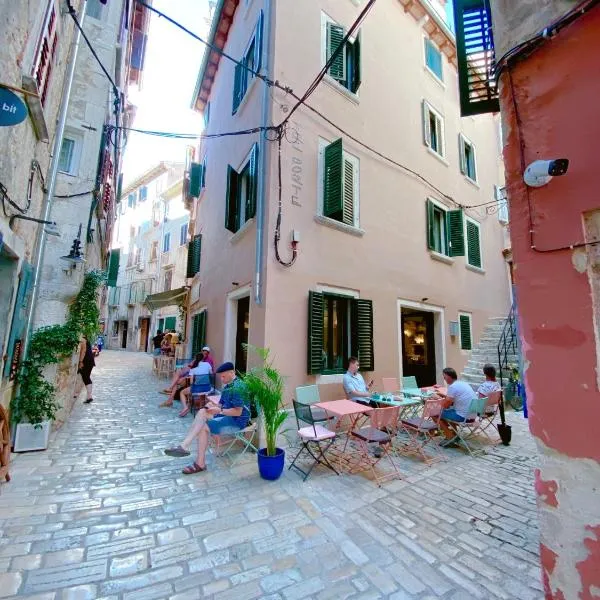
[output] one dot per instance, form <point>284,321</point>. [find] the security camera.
<point>540,172</point>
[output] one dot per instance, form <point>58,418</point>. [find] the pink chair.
<point>390,385</point>
<point>422,430</point>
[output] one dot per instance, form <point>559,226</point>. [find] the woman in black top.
<point>86,364</point>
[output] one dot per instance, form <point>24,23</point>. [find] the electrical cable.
<point>277,235</point>
<point>527,195</point>
<point>195,136</point>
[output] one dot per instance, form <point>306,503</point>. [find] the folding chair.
<point>201,386</point>
<point>390,385</point>
<point>228,440</point>
<point>466,429</point>
<point>422,430</point>
<point>314,434</point>
<point>309,394</point>
<point>486,420</point>
<point>383,423</point>
<point>410,387</point>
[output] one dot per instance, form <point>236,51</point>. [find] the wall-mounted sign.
<point>16,359</point>
<point>12,109</point>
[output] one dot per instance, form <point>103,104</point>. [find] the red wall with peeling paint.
<point>557,95</point>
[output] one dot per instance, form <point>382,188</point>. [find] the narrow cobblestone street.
<point>104,514</point>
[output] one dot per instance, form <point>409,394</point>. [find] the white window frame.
<point>460,342</point>
<point>323,143</point>
<point>463,142</point>
<point>427,67</point>
<point>250,82</point>
<point>428,110</point>
<point>325,19</point>
<point>183,238</point>
<point>501,203</point>
<point>443,256</point>
<point>75,161</point>
<point>478,224</point>
<point>166,236</point>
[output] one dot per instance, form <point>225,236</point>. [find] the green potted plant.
<point>264,386</point>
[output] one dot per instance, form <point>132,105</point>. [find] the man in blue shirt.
<point>226,415</point>
<point>354,385</point>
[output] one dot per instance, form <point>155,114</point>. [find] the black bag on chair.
<point>504,430</point>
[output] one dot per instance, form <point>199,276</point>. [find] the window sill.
<point>245,100</point>
<point>241,232</point>
<point>340,89</point>
<point>432,74</point>
<point>475,269</point>
<point>472,181</point>
<point>356,231</point>
<point>441,257</point>
<point>438,156</point>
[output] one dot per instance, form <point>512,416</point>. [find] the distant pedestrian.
<point>157,341</point>
<point>100,343</point>
<point>85,366</point>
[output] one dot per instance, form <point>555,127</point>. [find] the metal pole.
<point>51,181</point>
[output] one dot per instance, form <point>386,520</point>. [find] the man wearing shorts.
<point>456,406</point>
<point>225,416</point>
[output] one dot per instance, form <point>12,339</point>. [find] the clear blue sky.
<point>170,70</point>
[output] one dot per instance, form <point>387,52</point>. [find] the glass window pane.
<point>433,59</point>
<point>65,158</point>
<point>94,9</point>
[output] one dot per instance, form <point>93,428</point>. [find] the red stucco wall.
<point>557,95</point>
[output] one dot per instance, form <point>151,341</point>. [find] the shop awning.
<point>170,298</point>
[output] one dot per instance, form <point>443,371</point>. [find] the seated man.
<point>179,376</point>
<point>456,406</point>
<point>202,368</point>
<point>228,415</point>
<point>354,385</point>
<point>490,384</point>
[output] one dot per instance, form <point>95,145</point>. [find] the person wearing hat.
<point>226,415</point>
<point>208,358</point>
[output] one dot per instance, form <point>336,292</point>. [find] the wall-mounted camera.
<point>540,172</point>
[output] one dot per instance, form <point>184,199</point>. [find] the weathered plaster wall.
<point>556,116</point>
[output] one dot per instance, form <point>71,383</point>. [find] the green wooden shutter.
<point>349,175</point>
<point>466,341</point>
<point>462,159</point>
<point>476,57</point>
<point>170,323</point>
<point>193,258</point>
<point>252,184</point>
<point>198,332</point>
<point>238,74</point>
<point>19,317</point>
<point>456,232</point>
<point>430,228</point>
<point>473,245</point>
<point>195,179</point>
<point>315,332</point>
<point>362,331</point>
<point>203,179</point>
<point>258,43</point>
<point>231,200</point>
<point>333,175</point>
<point>335,36</point>
<point>113,267</point>
<point>206,115</point>
<point>356,66</point>
<point>426,125</point>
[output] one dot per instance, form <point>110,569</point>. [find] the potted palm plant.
<point>264,386</point>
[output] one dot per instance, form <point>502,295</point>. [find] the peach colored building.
<point>388,267</point>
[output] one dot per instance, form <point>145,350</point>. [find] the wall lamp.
<point>75,256</point>
<point>51,226</point>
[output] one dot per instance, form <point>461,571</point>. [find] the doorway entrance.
<point>124,334</point>
<point>418,346</point>
<point>241,334</point>
<point>144,334</point>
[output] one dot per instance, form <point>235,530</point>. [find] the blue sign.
<point>12,109</point>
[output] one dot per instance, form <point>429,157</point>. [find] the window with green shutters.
<point>466,336</point>
<point>193,257</point>
<point>196,177</point>
<point>113,267</point>
<point>240,201</point>
<point>473,243</point>
<point>170,323</point>
<point>476,57</point>
<point>198,332</point>
<point>340,183</point>
<point>445,230</point>
<point>250,64</point>
<point>346,66</point>
<point>338,327</point>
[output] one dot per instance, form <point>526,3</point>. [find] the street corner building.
<point>60,165</point>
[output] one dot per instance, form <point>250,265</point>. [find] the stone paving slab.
<point>103,514</point>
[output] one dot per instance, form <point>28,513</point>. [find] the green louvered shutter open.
<point>113,267</point>
<point>476,57</point>
<point>315,333</point>
<point>258,43</point>
<point>363,333</point>
<point>237,86</point>
<point>198,332</point>
<point>193,258</point>
<point>19,317</point>
<point>195,179</point>
<point>231,200</point>
<point>473,245</point>
<point>456,232</point>
<point>333,179</point>
<point>430,228</point>
<point>466,341</point>
<point>252,184</point>
<point>335,36</point>
<point>170,323</point>
<point>356,66</point>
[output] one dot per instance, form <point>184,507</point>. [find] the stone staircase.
<point>486,351</point>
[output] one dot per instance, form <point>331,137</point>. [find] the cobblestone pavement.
<point>104,514</point>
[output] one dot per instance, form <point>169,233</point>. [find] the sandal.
<point>193,469</point>
<point>177,451</point>
<point>88,400</point>
<point>184,412</point>
<point>166,404</point>
<point>166,391</point>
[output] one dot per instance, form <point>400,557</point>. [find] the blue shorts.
<point>156,352</point>
<point>449,414</point>
<point>223,425</point>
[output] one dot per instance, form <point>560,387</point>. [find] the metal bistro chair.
<point>422,430</point>
<point>410,387</point>
<point>200,387</point>
<point>309,394</point>
<point>466,429</point>
<point>486,419</point>
<point>315,434</point>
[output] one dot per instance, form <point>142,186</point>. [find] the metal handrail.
<point>508,344</point>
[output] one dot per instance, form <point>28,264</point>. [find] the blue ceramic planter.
<point>271,467</point>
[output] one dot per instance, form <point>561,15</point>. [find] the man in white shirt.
<point>456,406</point>
<point>354,385</point>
